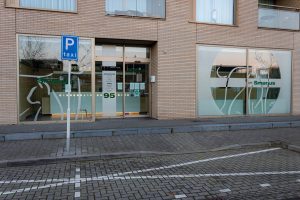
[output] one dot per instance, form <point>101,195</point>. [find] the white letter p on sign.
<point>69,42</point>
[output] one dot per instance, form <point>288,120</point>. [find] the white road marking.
<point>121,176</point>
<point>78,179</point>
<point>35,188</point>
<point>180,196</point>
<point>35,181</point>
<point>72,181</point>
<point>77,194</point>
<point>191,176</point>
<point>265,185</point>
<point>77,183</point>
<point>225,190</point>
<point>193,162</point>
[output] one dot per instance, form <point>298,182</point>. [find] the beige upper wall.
<point>89,22</point>
<point>8,60</point>
<point>177,62</point>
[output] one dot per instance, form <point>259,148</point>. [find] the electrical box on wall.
<point>152,79</point>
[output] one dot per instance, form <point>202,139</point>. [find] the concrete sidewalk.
<point>141,126</point>
<point>14,153</point>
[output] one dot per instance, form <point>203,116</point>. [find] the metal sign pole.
<point>68,110</point>
<point>69,51</point>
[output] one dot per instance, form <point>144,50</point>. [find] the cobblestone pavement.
<point>170,143</point>
<point>248,173</point>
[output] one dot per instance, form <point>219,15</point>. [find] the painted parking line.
<point>142,177</point>
<point>148,177</point>
<point>180,196</point>
<point>77,194</point>
<point>194,162</point>
<point>36,181</point>
<point>35,188</point>
<point>77,183</point>
<point>225,190</point>
<point>122,176</point>
<point>265,185</point>
<point>146,170</point>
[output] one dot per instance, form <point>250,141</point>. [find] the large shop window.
<point>60,5</point>
<point>228,84</point>
<point>43,77</point>
<point>215,11</point>
<point>139,8</point>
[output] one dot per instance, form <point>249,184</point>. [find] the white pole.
<point>68,110</point>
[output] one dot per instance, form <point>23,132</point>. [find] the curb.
<point>138,154</point>
<point>154,130</point>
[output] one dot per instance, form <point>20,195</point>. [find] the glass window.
<point>61,5</point>
<point>141,8</point>
<point>271,17</point>
<point>222,85</point>
<point>269,84</point>
<point>43,77</point>
<point>221,81</point>
<point>215,11</point>
<point>137,52</point>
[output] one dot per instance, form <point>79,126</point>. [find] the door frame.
<point>125,60</point>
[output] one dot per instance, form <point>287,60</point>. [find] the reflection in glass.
<point>268,84</point>
<point>99,88</point>
<point>99,51</point>
<point>221,81</point>
<point>61,5</point>
<point>222,76</point>
<point>215,11</point>
<point>137,52</point>
<point>270,17</point>
<point>43,76</point>
<point>141,8</point>
<point>137,89</point>
<point>233,101</point>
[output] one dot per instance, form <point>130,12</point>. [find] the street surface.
<point>247,173</point>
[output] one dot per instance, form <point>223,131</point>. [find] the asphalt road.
<point>251,173</point>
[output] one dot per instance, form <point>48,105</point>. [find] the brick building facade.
<point>172,40</point>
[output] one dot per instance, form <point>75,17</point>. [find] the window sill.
<point>215,24</point>
<point>46,10</point>
<point>278,29</point>
<point>136,17</point>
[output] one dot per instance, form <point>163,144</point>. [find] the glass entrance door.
<point>122,81</point>
<point>136,89</point>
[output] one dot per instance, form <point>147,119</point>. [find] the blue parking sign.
<point>69,47</point>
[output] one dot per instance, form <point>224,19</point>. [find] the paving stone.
<point>248,126</point>
<point>282,124</point>
<point>159,143</point>
<point>282,186</point>
<point>295,124</point>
